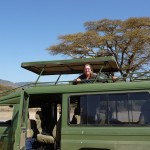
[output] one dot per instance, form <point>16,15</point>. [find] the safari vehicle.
<point>63,116</point>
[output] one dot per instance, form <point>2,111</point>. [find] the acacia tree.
<point>128,41</point>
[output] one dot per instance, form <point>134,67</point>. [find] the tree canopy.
<point>128,41</point>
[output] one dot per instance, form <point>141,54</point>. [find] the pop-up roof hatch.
<point>71,66</point>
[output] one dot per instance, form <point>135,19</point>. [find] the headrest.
<point>77,111</point>
<point>38,114</point>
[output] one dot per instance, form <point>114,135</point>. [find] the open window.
<point>6,114</point>
<point>45,111</point>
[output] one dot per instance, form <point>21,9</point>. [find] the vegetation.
<point>128,41</point>
<point>4,88</point>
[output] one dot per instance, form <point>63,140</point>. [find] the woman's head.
<point>88,70</point>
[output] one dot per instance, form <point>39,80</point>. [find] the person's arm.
<point>114,79</point>
<point>78,80</point>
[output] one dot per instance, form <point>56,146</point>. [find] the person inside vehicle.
<point>89,76</point>
<point>144,117</point>
<point>76,116</point>
<point>31,134</point>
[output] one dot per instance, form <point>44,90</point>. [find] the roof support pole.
<point>57,79</point>
<point>98,74</point>
<point>39,75</point>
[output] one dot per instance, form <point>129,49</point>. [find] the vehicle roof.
<point>118,87</point>
<point>71,66</point>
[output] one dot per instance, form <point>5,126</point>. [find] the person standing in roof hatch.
<point>89,77</point>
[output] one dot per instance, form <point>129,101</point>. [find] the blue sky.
<point>28,27</point>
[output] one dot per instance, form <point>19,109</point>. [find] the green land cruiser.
<point>63,116</point>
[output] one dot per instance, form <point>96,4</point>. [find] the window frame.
<point>107,95</point>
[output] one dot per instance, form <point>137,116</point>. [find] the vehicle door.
<point>13,130</point>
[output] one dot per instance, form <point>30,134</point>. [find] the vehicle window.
<point>6,113</point>
<point>32,112</point>
<point>110,109</point>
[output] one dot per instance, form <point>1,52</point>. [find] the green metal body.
<point>74,137</point>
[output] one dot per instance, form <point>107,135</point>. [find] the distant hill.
<point>8,83</point>
<point>12,84</point>
<point>6,86</point>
